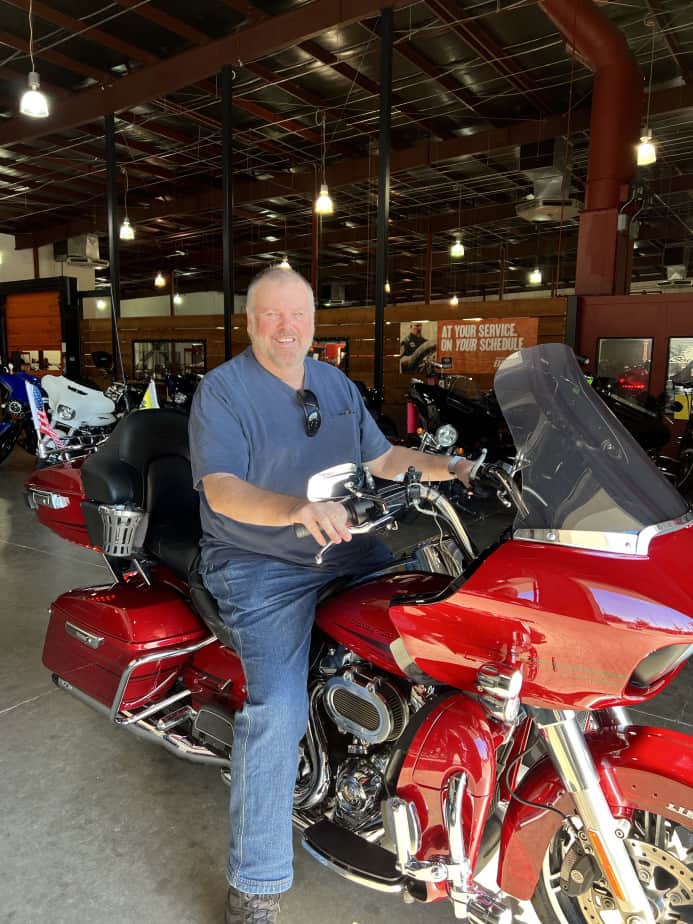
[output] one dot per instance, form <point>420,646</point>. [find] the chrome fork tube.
<point>573,761</point>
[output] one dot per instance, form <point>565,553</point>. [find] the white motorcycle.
<point>80,420</point>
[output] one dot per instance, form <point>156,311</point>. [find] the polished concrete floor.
<point>98,827</point>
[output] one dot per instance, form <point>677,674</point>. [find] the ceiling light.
<point>177,299</point>
<point>324,204</point>
<point>101,304</point>
<point>285,263</point>
<point>127,232</point>
<point>457,249</point>
<point>387,288</point>
<point>159,280</point>
<point>535,277</point>
<point>454,301</point>
<point>647,153</point>
<point>271,238</point>
<point>33,102</point>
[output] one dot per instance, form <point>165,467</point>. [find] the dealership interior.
<point>457,180</point>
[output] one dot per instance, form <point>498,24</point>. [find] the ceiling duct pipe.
<point>604,255</point>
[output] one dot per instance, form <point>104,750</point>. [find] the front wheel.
<point>662,853</point>
<point>8,437</point>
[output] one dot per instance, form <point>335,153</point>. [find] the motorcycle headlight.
<point>64,412</point>
<point>446,436</point>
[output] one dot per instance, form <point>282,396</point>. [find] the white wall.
<point>158,305</point>
<point>16,265</point>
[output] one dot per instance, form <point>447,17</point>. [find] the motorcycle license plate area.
<point>94,633</point>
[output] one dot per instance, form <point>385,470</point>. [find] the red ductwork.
<point>603,266</point>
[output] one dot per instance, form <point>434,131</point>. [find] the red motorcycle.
<point>450,714</point>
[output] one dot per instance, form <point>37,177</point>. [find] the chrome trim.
<point>352,875</point>
<point>150,710</point>
<point>148,659</point>
<point>316,789</point>
<point>635,543</point>
<point>86,638</point>
<point>176,744</point>
<point>37,498</point>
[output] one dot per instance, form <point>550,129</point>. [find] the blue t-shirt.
<point>244,421</point>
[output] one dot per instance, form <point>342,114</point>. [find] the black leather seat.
<point>146,463</point>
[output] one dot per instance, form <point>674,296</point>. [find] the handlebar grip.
<point>358,511</point>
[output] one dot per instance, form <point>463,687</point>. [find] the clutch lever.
<point>355,531</point>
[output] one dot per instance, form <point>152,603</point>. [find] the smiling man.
<point>260,426</point>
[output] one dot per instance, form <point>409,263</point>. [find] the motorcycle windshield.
<point>580,468</point>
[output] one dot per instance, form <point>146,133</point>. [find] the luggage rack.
<point>120,718</point>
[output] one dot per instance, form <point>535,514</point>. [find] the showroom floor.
<point>98,826</point>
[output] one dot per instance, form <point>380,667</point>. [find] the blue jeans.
<point>269,608</point>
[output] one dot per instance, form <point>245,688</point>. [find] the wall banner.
<point>480,345</point>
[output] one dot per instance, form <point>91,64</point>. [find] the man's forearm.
<point>235,498</point>
<point>433,467</point>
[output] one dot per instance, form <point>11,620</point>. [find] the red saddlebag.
<point>94,633</point>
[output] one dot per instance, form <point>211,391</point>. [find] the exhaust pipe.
<point>179,745</point>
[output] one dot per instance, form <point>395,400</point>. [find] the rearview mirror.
<point>329,484</point>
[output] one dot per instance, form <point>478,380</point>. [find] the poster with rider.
<point>480,345</point>
<point>418,342</point>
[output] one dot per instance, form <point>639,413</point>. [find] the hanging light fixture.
<point>177,299</point>
<point>457,249</point>
<point>387,288</point>
<point>535,277</point>
<point>127,232</point>
<point>285,263</point>
<point>160,280</point>
<point>454,301</point>
<point>101,304</point>
<point>323,204</point>
<point>33,102</point>
<point>647,153</point>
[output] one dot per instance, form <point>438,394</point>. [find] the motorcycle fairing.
<point>580,654</point>
<point>640,768</point>
<point>456,737</point>
<point>95,632</point>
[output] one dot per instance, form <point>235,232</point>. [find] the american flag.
<point>38,413</point>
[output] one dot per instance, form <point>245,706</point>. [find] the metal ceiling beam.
<point>90,33</point>
<point>480,41</point>
<point>55,57</point>
<point>170,23</point>
<point>166,76</point>
<point>663,21</point>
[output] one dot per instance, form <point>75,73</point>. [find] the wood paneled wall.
<point>356,324</point>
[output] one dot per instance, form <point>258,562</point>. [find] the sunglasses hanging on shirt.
<point>311,411</point>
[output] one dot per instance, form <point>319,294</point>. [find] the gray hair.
<point>279,274</point>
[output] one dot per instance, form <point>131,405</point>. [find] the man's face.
<point>281,325</point>
<point>416,330</point>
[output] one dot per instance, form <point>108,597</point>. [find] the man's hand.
<point>463,470</point>
<point>322,518</point>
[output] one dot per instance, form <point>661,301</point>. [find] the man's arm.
<point>232,497</point>
<point>433,467</point>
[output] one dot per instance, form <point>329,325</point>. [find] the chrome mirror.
<point>329,484</point>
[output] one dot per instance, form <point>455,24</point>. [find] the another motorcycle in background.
<point>16,424</point>
<point>180,390</point>
<point>370,399</point>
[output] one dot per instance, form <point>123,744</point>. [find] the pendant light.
<point>457,249</point>
<point>388,289</point>
<point>323,204</point>
<point>647,153</point>
<point>33,102</point>
<point>535,277</point>
<point>101,304</point>
<point>454,301</point>
<point>177,299</point>
<point>160,280</point>
<point>285,263</point>
<point>127,232</point>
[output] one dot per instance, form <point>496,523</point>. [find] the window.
<point>159,358</point>
<point>680,364</point>
<point>626,361</point>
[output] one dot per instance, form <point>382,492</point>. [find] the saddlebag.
<point>95,633</point>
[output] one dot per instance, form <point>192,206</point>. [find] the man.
<point>260,426</point>
<point>415,349</point>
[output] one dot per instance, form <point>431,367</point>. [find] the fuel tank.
<point>359,617</point>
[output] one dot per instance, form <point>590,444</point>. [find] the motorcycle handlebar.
<point>358,513</point>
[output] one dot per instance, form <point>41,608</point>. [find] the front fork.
<point>572,759</point>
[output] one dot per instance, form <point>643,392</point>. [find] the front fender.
<point>639,767</point>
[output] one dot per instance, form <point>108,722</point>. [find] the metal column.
<point>386,32</point>
<point>227,76</point>
<point>113,238</point>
